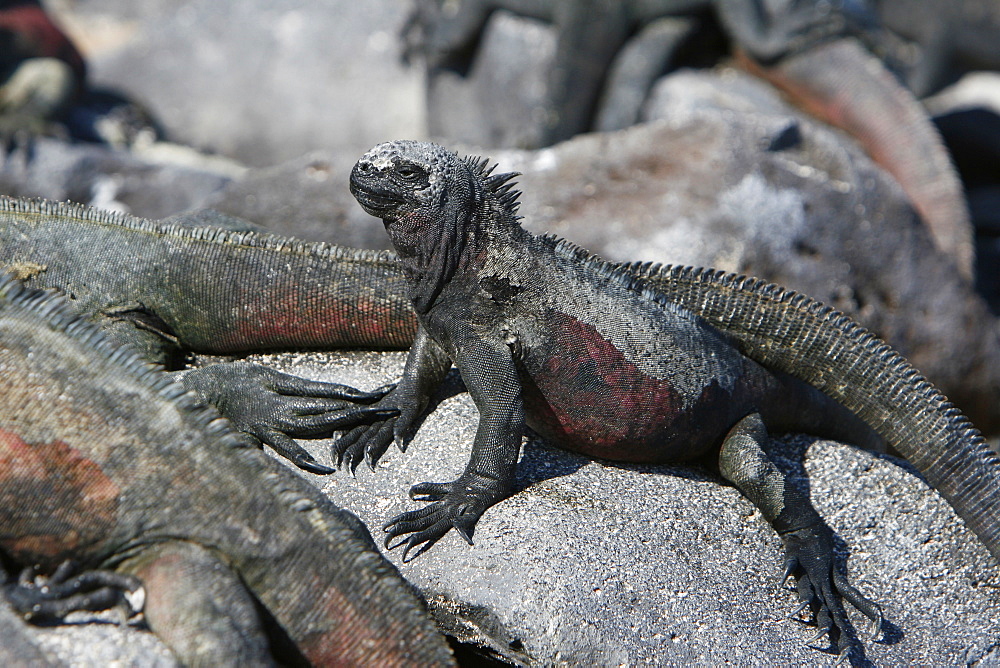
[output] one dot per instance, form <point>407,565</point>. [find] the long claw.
<point>430,491</point>
<point>292,451</point>
<point>818,636</point>
<point>463,525</point>
<point>410,543</point>
<point>797,611</point>
<point>791,563</point>
<point>311,465</point>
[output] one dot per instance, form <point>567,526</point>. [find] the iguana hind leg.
<point>809,554</point>
<point>199,607</point>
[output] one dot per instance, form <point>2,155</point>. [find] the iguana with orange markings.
<point>107,462</point>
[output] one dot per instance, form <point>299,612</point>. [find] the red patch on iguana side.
<point>295,320</point>
<point>590,399</point>
<point>352,629</point>
<point>56,501</point>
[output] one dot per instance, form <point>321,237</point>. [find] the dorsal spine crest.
<point>57,314</point>
<point>208,234</point>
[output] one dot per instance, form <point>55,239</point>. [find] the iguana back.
<point>793,333</point>
<point>207,288</point>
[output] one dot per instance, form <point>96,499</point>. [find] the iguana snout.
<point>398,177</point>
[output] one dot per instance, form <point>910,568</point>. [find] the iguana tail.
<point>790,332</point>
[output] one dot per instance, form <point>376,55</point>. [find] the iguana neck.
<point>455,240</point>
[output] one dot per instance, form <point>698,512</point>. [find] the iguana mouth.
<point>375,201</point>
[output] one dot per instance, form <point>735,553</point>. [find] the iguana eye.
<point>408,172</point>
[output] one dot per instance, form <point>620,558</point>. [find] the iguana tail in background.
<point>851,89</point>
<point>792,333</point>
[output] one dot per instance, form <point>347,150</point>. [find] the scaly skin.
<point>104,460</point>
<point>598,360</point>
<point>816,52</point>
<point>170,289</point>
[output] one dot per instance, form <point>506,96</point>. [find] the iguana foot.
<point>62,593</point>
<point>272,407</point>
<point>822,588</point>
<point>371,441</point>
<point>457,505</point>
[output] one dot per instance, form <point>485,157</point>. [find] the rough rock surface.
<point>500,101</point>
<point>260,81</point>
<point>601,564</point>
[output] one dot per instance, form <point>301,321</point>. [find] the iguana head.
<point>435,206</point>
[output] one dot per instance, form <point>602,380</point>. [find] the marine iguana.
<point>624,363</point>
<point>106,461</point>
<point>205,283</point>
<point>822,55</point>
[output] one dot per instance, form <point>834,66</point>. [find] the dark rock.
<point>502,99</point>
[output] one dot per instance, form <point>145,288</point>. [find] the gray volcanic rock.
<point>158,182</point>
<point>260,81</point>
<point>603,564</point>
<point>306,198</point>
<point>501,100</point>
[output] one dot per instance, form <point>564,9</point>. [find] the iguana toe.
<point>57,596</point>
<point>424,531</point>
<point>464,525</point>
<point>822,588</point>
<point>431,491</point>
<point>311,465</point>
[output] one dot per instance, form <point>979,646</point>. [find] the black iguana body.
<point>817,52</point>
<point>168,289</point>
<point>624,363</point>
<point>105,461</point>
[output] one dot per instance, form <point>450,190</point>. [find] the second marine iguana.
<point>599,360</point>
<point>205,283</point>
<point>105,461</point>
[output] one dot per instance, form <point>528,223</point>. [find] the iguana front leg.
<point>488,369</point>
<point>268,406</point>
<point>809,555</point>
<point>426,367</point>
